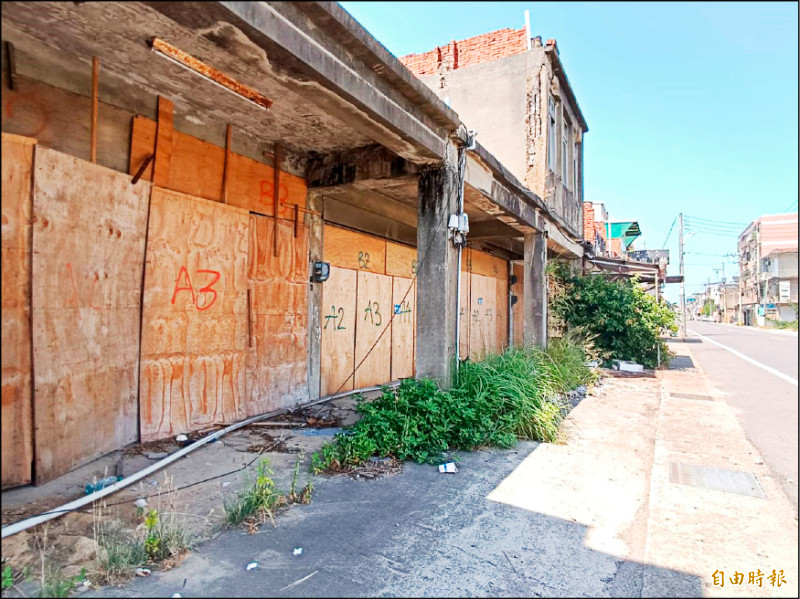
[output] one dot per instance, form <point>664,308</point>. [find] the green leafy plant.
<point>257,500</point>
<point>8,577</point>
<point>56,585</point>
<point>624,321</point>
<point>494,402</point>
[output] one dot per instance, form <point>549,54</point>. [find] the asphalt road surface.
<point>757,372</point>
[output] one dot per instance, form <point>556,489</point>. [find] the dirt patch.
<point>371,469</point>
<point>313,416</point>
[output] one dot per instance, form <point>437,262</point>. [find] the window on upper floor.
<point>575,153</point>
<point>551,134</point>
<point>565,154</point>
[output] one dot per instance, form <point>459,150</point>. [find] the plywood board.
<point>194,317</point>
<point>17,425</point>
<point>48,114</point>
<point>401,260</point>
<point>277,345</point>
<point>373,329</point>
<point>197,169</point>
<point>483,332</point>
<point>517,289</point>
<point>404,309</point>
<point>487,265</point>
<point>338,316</point>
<point>251,185</point>
<point>88,251</point>
<point>348,249</point>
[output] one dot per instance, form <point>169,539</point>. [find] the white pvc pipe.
<point>13,529</point>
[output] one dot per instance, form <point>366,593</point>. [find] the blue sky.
<point>692,107</point>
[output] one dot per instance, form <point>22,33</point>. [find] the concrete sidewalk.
<point>597,517</point>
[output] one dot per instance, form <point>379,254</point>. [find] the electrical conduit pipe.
<point>13,529</point>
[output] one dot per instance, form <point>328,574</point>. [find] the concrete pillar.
<point>315,229</point>
<point>534,308</point>
<point>436,273</point>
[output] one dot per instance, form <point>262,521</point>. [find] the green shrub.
<point>625,322</point>
<point>516,394</point>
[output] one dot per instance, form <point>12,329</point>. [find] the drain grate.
<point>716,479</point>
<point>692,396</point>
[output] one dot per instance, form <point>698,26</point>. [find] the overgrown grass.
<point>257,501</point>
<point>161,537</point>
<point>786,325</point>
<point>494,402</point>
<point>119,554</point>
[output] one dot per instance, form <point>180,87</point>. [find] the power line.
<point>793,204</point>
<point>674,220</point>
<point>717,221</point>
<point>713,227</point>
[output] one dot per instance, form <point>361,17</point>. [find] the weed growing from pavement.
<point>161,538</point>
<point>55,584</point>
<point>257,502</point>
<point>514,395</point>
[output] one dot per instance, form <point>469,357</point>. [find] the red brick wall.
<point>475,50</point>
<point>588,222</point>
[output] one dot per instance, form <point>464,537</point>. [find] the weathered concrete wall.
<point>491,98</point>
<point>506,101</point>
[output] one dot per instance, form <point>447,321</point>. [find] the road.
<point>760,389</point>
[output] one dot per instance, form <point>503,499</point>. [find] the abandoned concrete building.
<point>216,210</point>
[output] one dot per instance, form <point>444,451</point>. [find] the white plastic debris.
<point>626,366</point>
<point>144,572</point>
<point>448,468</point>
<point>226,483</point>
<point>176,596</point>
<point>252,565</point>
<point>297,551</point>
<point>140,503</point>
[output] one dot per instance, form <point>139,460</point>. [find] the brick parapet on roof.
<point>471,51</point>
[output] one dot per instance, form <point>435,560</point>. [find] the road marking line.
<point>769,369</point>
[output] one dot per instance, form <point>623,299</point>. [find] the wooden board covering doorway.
<point>17,424</point>
<point>277,347</point>
<point>88,252</point>
<point>194,315</point>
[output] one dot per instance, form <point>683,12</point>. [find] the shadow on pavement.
<point>419,533</point>
<point>681,363</point>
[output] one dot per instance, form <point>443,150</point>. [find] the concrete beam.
<point>309,59</point>
<point>534,298</point>
<point>561,244</point>
<point>436,274</point>
<point>517,205</point>
<point>490,229</point>
<point>360,164</point>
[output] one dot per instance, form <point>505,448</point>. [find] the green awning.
<point>625,231</point>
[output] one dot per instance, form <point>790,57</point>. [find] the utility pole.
<point>724,296</point>
<point>683,281</point>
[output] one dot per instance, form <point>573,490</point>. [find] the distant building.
<point>768,270</point>
<point>594,226</point>
<point>621,235</point>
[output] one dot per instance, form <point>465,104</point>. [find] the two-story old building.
<point>514,92</point>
